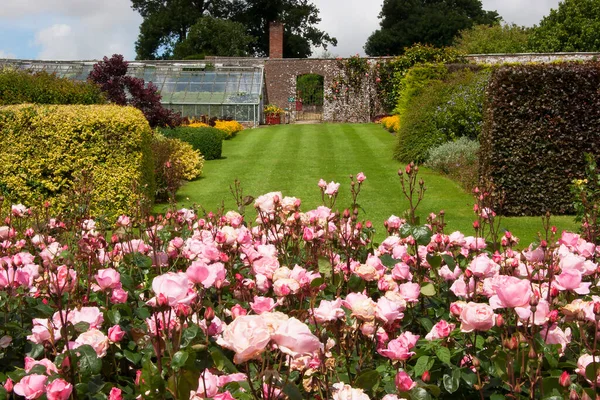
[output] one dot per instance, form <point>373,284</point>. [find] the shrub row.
<point>458,159</point>
<point>19,86</point>
<point>540,120</point>
<point>207,140</point>
<point>102,153</point>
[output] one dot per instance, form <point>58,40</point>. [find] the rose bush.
<point>296,305</point>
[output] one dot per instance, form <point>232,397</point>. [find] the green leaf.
<point>419,394</point>
<point>591,370</point>
<point>406,230</point>
<point>132,357</point>
<point>421,365</point>
<point>426,323</point>
<point>452,382</point>
<point>222,363</point>
<point>188,335</point>
<point>179,359</point>
<point>367,380</point>
<point>292,391</point>
<point>356,283</point>
<point>422,235</point>
<point>443,354</point>
<point>434,261</point>
<point>428,290</point>
<point>449,261</point>
<point>497,396</point>
<point>35,350</point>
<point>114,316</point>
<point>388,260</point>
<point>317,282</point>
<point>3,394</point>
<point>89,363</point>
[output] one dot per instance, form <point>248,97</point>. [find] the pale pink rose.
<point>207,275</point>
<point>570,279</point>
<point>390,397</point>
<point>92,315</point>
<point>388,311</point>
<point>224,396</point>
<point>540,317</point>
<point>262,304</point>
<point>135,246</point>
<point>476,316</point>
<point>285,287</point>
<point>342,391</point>
<point>586,249</point>
<point>31,386</point>
<point>440,330</point>
<point>274,320</point>
<point>265,265</point>
<point>49,365</point>
<point>399,348</point>
<point>96,339</point>
<point>247,336</point>
<point>294,338</point>
<point>569,238</point>
<point>582,364</point>
<point>322,184</point>
<point>266,202</point>
<point>473,243</point>
<point>118,296</point>
<point>395,222</point>
<point>572,261</point>
<point>171,289</point>
<point>532,255</point>
<point>123,221</point>
<point>237,377</point>
<point>401,272</point>
<point>108,278</point>
<point>360,177</point>
<point>238,311</point>
<point>328,311</point>
<point>208,384</point>
<point>483,267</point>
<point>214,328</point>
<point>308,234</point>
<point>410,291</point>
<point>63,280</point>
<point>362,306</point>
<point>513,292</point>
<point>115,394</point>
<point>403,382</point>
<point>43,331</point>
<point>449,275</point>
<point>555,335</point>
<point>115,334</point>
<point>59,389</point>
<point>332,188</point>
<point>365,271</point>
<point>19,210</point>
<point>4,232</point>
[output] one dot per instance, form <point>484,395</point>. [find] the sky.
<point>91,29</point>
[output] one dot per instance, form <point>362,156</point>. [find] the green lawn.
<point>292,159</point>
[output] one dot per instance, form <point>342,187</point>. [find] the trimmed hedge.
<point>539,121</point>
<point>44,150</point>
<point>207,140</point>
<point>18,87</point>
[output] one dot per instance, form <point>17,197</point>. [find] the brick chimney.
<point>275,40</point>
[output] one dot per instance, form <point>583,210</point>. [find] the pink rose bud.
<point>360,177</point>
<point>426,377</point>
<point>31,386</point>
<point>565,379</point>
<point>115,394</point>
<point>8,385</point>
<point>59,389</point>
<point>403,382</point>
<point>138,377</point>
<point>115,334</point>
<point>238,311</point>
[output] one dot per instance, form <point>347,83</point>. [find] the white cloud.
<point>4,54</point>
<point>521,12</point>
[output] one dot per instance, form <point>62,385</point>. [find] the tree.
<point>574,26</point>
<point>168,23</point>
<point>493,39</point>
<point>435,22</point>
<point>214,37</point>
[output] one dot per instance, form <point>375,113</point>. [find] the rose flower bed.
<point>296,305</point>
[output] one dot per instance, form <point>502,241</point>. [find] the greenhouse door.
<point>309,97</point>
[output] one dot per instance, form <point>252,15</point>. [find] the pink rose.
<point>388,311</point>
<point>63,280</point>
<point>399,348</point>
<point>115,334</point>
<point>31,386</point>
<point>207,275</point>
<point>123,220</point>
<point>118,296</point>
<point>266,202</point>
<point>403,382</point>
<point>342,391</point>
<point>322,184</point>
<point>208,384</point>
<point>362,306</point>
<point>476,316</point>
<point>410,291</point>
<point>332,188</point>
<point>360,177</point>
<point>49,365</point>
<point>262,304</point>
<point>94,338</point>
<point>512,292</point>
<point>247,336</point>
<point>295,338</point>
<point>555,335</point>
<point>171,289</point>
<point>483,267</point>
<point>115,394</point>
<point>59,389</point>
<point>223,396</point>
<point>440,330</point>
<point>92,315</point>
<point>570,279</point>
<point>582,364</point>
<point>328,311</point>
<point>108,278</point>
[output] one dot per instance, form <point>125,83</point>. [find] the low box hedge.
<point>46,149</point>
<point>207,140</point>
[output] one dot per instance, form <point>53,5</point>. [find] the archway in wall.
<point>309,97</point>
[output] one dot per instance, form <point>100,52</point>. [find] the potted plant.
<point>273,114</point>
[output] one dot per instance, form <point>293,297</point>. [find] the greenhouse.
<point>192,88</point>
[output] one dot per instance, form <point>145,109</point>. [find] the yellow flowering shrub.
<point>45,149</point>
<point>391,123</point>
<point>195,124</point>
<point>230,128</point>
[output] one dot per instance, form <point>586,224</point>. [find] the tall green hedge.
<point>207,140</point>
<point>539,121</point>
<point>18,87</point>
<point>46,149</point>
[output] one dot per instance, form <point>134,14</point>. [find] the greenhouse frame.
<point>194,89</point>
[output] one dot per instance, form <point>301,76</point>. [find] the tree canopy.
<point>573,26</point>
<point>493,39</point>
<point>167,24</point>
<point>435,22</point>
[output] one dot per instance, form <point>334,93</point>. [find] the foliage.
<point>493,39</point>
<point>389,73</point>
<point>406,22</point>
<point>119,88</point>
<point>415,81</point>
<point>539,120</point>
<point>436,111</point>
<point>458,159</point>
<point>174,162</point>
<point>229,128</point>
<point>187,306</point>
<point>572,27</point>
<point>207,140</point>
<point>167,24</point>
<point>53,153</point>
<point>272,109</point>
<point>586,194</point>
<point>309,88</point>
<point>19,87</point>
<point>214,37</point>
<point>391,123</point>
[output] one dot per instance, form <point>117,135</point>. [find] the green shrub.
<point>18,87</point>
<point>539,121</point>
<point>207,140</point>
<point>458,159</point>
<point>440,111</point>
<point>175,161</point>
<point>494,39</point>
<point>45,150</point>
<point>415,81</point>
